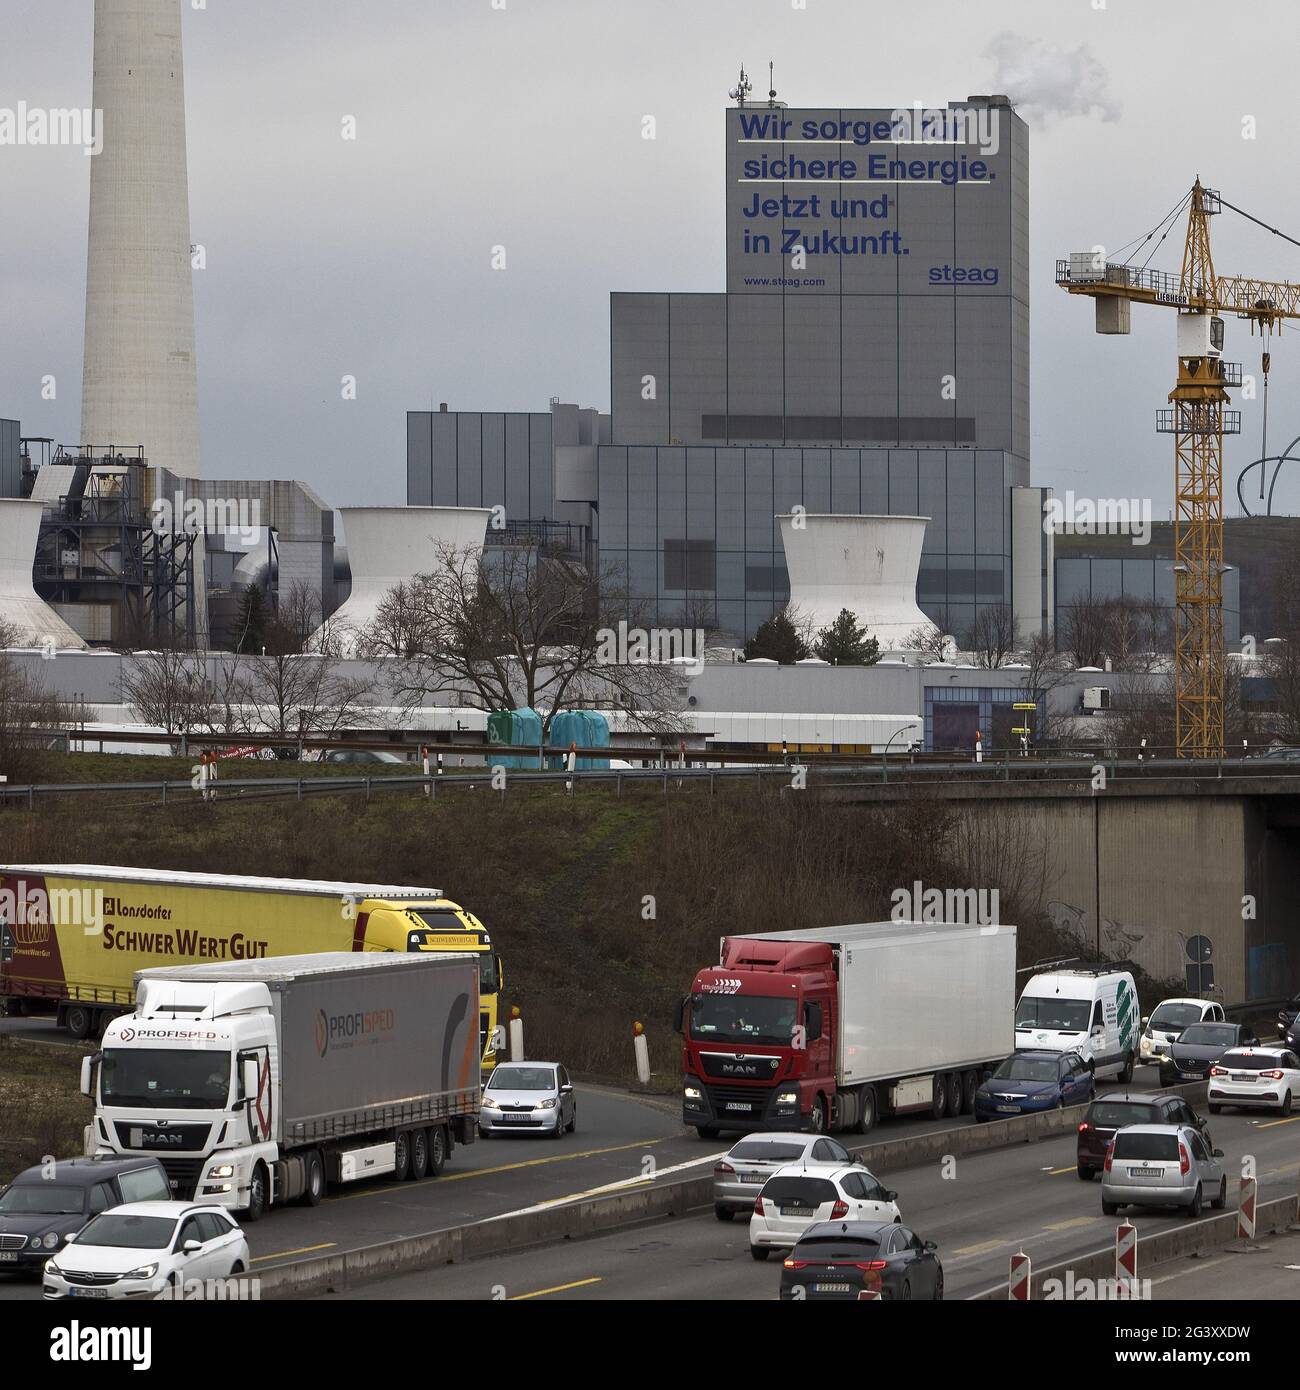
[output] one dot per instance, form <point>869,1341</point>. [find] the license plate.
<point>87,1293</point>
<point>753,1177</point>
<point>1146,1172</point>
<point>1247,1076</point>
<point>738,1105</point>
<point>1010,1109</point>
<point>798,1211</point>
<point>8,1257</point>
<point>516,1119</point>
<point>830,1288</point>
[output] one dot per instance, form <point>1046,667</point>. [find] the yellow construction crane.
<point>1198,421</point>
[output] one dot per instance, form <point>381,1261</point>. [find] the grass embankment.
<point>42,1111</point>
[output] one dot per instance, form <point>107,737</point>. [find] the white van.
<point>1091,1012</point>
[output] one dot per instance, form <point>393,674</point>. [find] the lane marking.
<point>503,1168</point>
<point>980,1249</point>
<point>1191,1269</point>
<point>1072,1222</point>
<point>1056,1172</point>
<point>1272,1123</point>
<point>559,1288</point>
<point>301,1250</point>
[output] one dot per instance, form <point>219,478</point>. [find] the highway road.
<point>980,1210</point>
<point>1271,1271</point>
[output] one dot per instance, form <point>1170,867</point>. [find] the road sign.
<point>1021,1274</point>
<point>1126,1257</point>
<point>1246,1209</point>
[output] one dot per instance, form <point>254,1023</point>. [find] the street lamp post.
<point>884,756</point>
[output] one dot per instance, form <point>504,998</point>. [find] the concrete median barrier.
<point>1195,1237</point>
<point>611,1211</point>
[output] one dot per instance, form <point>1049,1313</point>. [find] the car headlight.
<point>144,1272</point>
<point>787,1098</point>
<point>222,1170</point>
<point>548,1104</point>
<point>692,1093</point>
<point>490,1104</point>
<point>51,1241</point>
<point>51,1267</point>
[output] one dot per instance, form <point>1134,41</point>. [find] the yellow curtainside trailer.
<point>72,936</point>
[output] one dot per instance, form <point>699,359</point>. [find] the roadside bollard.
<point>1019,1281</point>
<point>641,1047</point>
<point>424,759</point>
<point>516,1035</point>
<point>979,746</point>
<point>1126,1259</point>
<point>1246,1209</point>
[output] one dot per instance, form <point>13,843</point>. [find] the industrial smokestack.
<point>140,379</point>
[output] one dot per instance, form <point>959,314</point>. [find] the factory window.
<point>689,565</point>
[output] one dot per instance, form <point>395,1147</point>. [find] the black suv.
<point>39,1208</point>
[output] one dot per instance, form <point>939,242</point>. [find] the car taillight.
<point>1110,1153</point>
<point>795,1264</point>
<point>1218,1071</point>
<point>840,1209</point>
<point>1084,1127</point>
<point>1272,1075</point>
<point>868,1265</point>
<point>723,1168</point>
<point>1184,1161</point>
<point>758,1206</point>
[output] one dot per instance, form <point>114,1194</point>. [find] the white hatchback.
<point>148,1250</point>
<point>795,1197</point>
<point>1251,1077</point>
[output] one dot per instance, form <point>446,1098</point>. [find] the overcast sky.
<point>520,125</point>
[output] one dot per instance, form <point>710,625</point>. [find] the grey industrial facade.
<point>869,354</point>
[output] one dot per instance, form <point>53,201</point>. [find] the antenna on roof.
<point>771,84</point>
<point>741,90</point>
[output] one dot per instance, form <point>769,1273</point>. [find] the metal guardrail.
<point>877,774</point>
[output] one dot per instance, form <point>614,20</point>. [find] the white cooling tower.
<point>867,564</point>
<point>34,621</point>
<point>388,546</point>
<point>140,379</point>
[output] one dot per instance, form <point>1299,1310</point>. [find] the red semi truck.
<point>810,1030</point>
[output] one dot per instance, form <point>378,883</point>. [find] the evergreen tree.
<point>777,639</point>
<point>846,642</point>
<point>250,627</point>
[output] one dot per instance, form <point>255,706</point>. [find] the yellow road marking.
<point>559,1288</point>
<point>503,1168</point>
<point>1073,1221</point>
<point>1056,1172</point>
<point>1271,1123</point>
<point>302,1250</point>
<point>981,1248</point>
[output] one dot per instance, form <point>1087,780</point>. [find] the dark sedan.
<point>1196,1049</point>
<point>39,1209</point>
<point>1111,1112</point>
<point>861,1259</point>
<point>1288,1019</point>
<point>1031,1081</point>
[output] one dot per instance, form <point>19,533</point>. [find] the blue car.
<point>1030,1081</point>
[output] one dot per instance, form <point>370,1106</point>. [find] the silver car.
<point>528,1098</point>
<point>1162,1166</point>
<point>738,1177</point>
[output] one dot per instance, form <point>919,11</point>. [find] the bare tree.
<point>1281,657</point>
<point>932,640</point>
<point>521,626</point>
<point>168,688</point>
<point>1135,635</point>
<point>27,706</point>
<point>288,694</point>
<point>992,637</point>
<point>1045,670</point>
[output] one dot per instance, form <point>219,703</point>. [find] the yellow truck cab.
<point>72,936</point>
<point>442,925</point>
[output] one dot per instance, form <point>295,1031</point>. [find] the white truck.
<point>259,1082</point>
<point>831,1028</point>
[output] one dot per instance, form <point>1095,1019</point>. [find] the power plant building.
<point>869,355</point>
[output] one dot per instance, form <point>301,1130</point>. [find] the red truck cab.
<point>758,1038</point>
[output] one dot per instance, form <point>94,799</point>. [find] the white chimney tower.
<point>140,379</point>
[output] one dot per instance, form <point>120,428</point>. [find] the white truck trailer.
<point>259,1082</point>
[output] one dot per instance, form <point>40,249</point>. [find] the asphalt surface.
<point>980,1209</point>
<point>1271,1270</point>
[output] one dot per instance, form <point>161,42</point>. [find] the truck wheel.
<point>314,1187</point>
<point>955,1093</point>
<point>970,1083</point>
<point>419,1155</point>
<point>257,1194</point>
<point>759,1252</point>
<point>401,1156</point>
<point>817,1117</point>
<point>707,1131</point>
<point>1126,1073</point>
<point>866,1110</point>
<point>79,1021</point>
<point>437,1150</point>
<point>939,1098</point>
